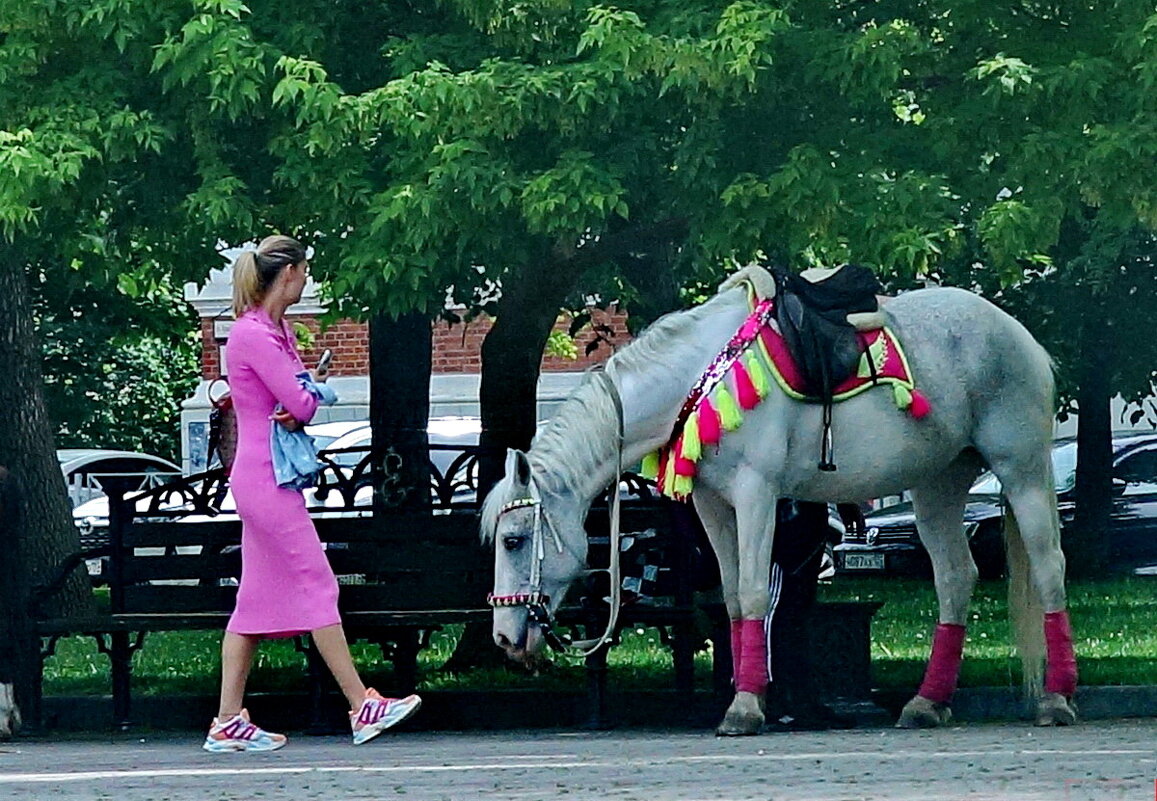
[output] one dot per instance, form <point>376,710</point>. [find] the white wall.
<point>1119,412</point>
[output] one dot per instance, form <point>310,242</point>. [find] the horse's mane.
<point>653,345</point>
<point>574,439</point>
<point>580,435</point>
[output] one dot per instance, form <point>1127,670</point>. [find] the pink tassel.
<point>920,406</point>
<point>710,427</point>
<point>683,465</point>
<point>744,387</point>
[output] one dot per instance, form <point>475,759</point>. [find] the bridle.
<point>537,602</point>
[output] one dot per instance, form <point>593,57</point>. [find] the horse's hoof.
<point>920,713</point>
<point>1054,709</point>
<point>735,725</point>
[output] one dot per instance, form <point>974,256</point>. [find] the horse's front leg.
<point>718,518</point>
<point>754,516</point>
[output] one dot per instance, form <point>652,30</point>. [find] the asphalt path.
<point>1104,760</point>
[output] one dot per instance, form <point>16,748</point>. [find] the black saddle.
<point>813,319</point>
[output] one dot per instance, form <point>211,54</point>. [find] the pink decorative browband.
<point>518,599</point>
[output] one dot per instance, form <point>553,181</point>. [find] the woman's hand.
<point>319,378</point>
<point>284,418</point>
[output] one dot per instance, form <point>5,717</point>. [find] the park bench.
<point>403,574</point>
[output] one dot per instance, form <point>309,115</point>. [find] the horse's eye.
<point>513,542</point>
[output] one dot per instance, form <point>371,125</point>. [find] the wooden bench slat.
<point>184,567</point>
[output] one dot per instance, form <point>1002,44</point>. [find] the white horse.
<point>990,389</point>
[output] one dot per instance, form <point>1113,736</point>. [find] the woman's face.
<point>298,275</point>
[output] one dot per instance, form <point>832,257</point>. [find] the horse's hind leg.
<point>939,507</point>
<point>745,715</point>
<point>1036,576</point>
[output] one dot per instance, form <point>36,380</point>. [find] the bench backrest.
<point>168,560</point>
<point>395,562</point>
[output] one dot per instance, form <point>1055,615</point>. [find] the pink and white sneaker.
<point>378,714</point>
<point>239,734</point>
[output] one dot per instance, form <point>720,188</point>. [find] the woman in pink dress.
<point>287,586</point>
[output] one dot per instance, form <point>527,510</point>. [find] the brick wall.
<point>457,348</point>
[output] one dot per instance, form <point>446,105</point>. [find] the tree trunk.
<point>508,397</point>
<point>37,535</point>
<point>527,310</point>
<point>16,641</point>
<point>512,360</point>
<point>400,361</point>
<point>1086,544</point>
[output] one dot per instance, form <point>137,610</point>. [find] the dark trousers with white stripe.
<point>800,536</point>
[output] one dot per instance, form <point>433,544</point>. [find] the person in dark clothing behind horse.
<point>801,536</point>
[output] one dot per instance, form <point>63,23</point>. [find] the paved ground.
<point>1105,761</point>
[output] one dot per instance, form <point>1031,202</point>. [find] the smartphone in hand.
<point>323,362</point>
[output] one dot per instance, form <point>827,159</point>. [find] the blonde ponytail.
<point>246,283</point>
<point>254,271</point>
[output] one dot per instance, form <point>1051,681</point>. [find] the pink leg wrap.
<point>752,676</point>
<point>1061,668</point>
<point>736,648</point>
<point>944,665</point>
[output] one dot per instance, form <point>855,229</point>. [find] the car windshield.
<point>1064,472</point>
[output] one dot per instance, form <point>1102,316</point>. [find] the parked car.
<point>332,439</point>
<point>889,543</point>
<point>325,434</point>
<point>85,470</point>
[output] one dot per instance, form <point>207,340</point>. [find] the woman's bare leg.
<point>334,649</point>
<point>236,658</point>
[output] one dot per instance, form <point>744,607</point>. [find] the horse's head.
<point>539,549</point>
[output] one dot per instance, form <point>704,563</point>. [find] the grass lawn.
<point>1114,631</point>
<point>1114,624</point>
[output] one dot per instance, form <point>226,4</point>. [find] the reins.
<point>536,602</point>
<point>613,571</point>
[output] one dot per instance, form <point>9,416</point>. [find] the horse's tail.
<point>1025,610</point>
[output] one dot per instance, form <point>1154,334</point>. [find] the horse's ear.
<point>518,467</point>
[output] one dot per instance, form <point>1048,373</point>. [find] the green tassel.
<point>683,486</point>
<point>758,375</point>
<point>902,395</point>
<point>669,476</point>
<point>692,447</point>
<point>729,414</point>
<point>650,466</point>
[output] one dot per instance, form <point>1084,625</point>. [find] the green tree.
<point>84,195</point>
<point>117,366</point>
<point>1042,118</point>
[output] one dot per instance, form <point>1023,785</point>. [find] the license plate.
<point>863,561</point>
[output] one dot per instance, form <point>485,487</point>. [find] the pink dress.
<point>287,586</point>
